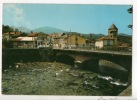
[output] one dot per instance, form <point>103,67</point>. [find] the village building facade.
<point>69,41</point>
<point>108,41</point>
<point>75,40</point>
<point>32,40</point>
<point>23,42</point>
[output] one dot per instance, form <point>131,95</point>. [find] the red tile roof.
<point>32,34</point>
<point>105,38</point>
<point>22,39</point>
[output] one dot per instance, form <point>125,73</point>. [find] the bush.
<point>6,44</point>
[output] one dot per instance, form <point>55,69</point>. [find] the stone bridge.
<point>93,60</point>
<point>90,60</point>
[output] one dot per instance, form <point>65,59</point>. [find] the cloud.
<point>14,15</point>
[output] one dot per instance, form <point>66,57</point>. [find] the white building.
<point>23,42</point>
<point>110,40</point>
<point>104,42</point>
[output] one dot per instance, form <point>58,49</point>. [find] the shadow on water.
<point>106,68</point>
<point>113,69</point>
<point>9,61</point>
<point>90,65</point>
<point>63,58</point>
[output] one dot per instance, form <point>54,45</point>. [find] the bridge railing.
<point>121,52</point>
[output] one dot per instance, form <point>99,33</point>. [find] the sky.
<point>82,18</point>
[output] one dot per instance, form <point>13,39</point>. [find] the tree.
<point>6,29</point>
<point>16,30</point>
<point>130,10</point>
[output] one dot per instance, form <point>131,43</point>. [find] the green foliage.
<point>125,39</point>
<point>6,43</point>
<point>16,30</point>
<point>6,29</point>
<point>92,36</point>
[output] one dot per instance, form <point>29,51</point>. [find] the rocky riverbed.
<point>52,78</point>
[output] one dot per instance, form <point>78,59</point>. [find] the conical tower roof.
<point>113,27</point>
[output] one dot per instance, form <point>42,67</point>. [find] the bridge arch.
<point>85,59</point>
<point>91,64</point>
<point>66,59</point>
<point>111,68</point>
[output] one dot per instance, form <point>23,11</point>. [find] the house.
<point>69,40</point>
<point>32,40</point>
<point>23,42</point>
<point>90,43</point>
<point>59,40</point>
<point>110,40</point>
<point>56,42</point>
<point>9,35</point>
<point>104,42</point>
<point>75,40</point>
<point>42,40</point>
<point>124,46</point>
<point>33,34</point>
<point>54,35</point>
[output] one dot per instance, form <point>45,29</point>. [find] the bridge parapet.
<point>128,53</point>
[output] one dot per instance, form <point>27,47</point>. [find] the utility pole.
<point>90,38</point>
<point>70,39</point>
<point>33,42</point>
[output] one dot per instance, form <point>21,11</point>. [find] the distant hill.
<point>122,34</point>
<point>87,36</point>
<point>24,29</point>
<point>48,30</point>
<point>93,36</point>
<point>125,38</point>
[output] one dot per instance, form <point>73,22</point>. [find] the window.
<point>108,42</point>
<point>76,39</point>
<point>111,36</point>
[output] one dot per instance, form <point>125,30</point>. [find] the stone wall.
<point>11,56</point>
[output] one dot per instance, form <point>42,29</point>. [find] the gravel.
<point>53,78</point>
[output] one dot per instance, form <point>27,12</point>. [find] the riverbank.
<point>52,78</point>
<point>127,92</point>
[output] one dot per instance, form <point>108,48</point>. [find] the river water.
<point>53,78</point>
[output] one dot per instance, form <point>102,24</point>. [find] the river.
<point>53,78</point>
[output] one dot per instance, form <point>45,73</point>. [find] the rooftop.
<point>113,26</point>
<point>22,39</point>
<point>105,38</point>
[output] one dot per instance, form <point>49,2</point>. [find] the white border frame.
<point>134,46</point>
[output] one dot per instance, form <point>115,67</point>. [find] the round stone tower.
<point>112,33</point>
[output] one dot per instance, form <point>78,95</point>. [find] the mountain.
<point>87,36</point>
<point>24,29</point>
<point>122,34</point>
<point>48,30</point>
<point>93,36</point>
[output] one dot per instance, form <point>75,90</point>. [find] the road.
<point>102,51</point>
